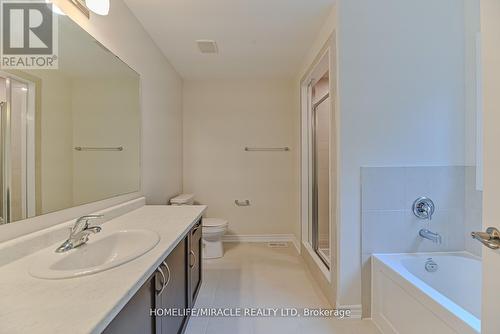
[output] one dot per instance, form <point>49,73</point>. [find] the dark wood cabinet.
<point>135,316</point>
<point>172,288</point>
<point>172,292</point>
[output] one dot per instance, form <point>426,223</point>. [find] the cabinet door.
<point>135,316</point>
<point>195,261</point>
<point>174,296</point>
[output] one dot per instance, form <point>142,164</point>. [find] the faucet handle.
<point>423,208</point>
<point>89,217</point>
<point>83,223</point>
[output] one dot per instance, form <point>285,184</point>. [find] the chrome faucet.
<point>426,234</point>
<point>79,233</point>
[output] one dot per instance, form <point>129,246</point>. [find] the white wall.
<point>401,92</point>
<point>221,117</point>
<point>472,28</point>
<point>401,86</point>
<point>161,96</point>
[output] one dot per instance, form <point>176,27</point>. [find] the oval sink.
<point>102,252</point>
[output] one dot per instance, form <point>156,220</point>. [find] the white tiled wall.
<point>473,211</point>
<point>388,222</point>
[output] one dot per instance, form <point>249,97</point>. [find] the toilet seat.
<point>214,223</point>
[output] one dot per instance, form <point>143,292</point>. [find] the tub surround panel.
<point>397,232</point>
<point>109,290</point>
<point>388,222</point>
<point>473,211</point>
<point>389,225</point>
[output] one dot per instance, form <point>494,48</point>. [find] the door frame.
<point>317,71</point>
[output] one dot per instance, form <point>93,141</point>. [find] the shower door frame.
<point>319,67</point>
<point>28,127</point>
<point>315,188</point>
<point>5,142</point>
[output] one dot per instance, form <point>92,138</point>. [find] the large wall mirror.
<point>68,136</point>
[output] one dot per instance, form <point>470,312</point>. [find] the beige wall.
<point>56,156</point>
<point>105,114</point>
<point>161,96</point>
<point>220,119</point>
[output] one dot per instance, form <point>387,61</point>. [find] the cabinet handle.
<point>191,264</point>
<point>169,274</point>
<point>195,228</point>
<point>162,281</point>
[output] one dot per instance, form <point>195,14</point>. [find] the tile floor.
<point>254,275</point>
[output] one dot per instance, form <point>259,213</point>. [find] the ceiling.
<point>255,38</point>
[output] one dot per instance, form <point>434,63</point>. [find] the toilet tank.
<point>183,199</point>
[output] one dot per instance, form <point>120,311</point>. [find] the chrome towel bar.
<point>82,148</point>
<point>254,149</point>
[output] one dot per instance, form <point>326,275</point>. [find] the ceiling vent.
<point>207,46</point>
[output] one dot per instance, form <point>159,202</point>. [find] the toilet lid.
<point>214,222</point>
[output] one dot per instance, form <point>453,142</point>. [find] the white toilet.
<point>213,229</point>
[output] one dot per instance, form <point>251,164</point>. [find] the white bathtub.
<point>407,299</point>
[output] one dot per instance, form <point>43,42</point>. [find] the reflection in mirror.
<point>68,136</point>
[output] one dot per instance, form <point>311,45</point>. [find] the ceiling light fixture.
<point>100,7</point>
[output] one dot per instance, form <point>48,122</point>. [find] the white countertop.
<point>88,304</point>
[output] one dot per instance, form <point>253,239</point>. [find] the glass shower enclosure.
<point>17,151</point>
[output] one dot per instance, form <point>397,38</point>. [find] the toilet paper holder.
<point>242,203</point>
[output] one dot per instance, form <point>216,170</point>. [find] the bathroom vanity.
<point>116,300</point>
<point>173,286</point>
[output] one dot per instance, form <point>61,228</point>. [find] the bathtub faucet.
<point>426,234</point>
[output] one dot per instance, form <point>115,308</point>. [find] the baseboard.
<point>383,325</point>
<point>263,238</point>
<point>356,310</point>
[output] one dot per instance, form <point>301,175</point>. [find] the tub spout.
<point>434,237</point>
